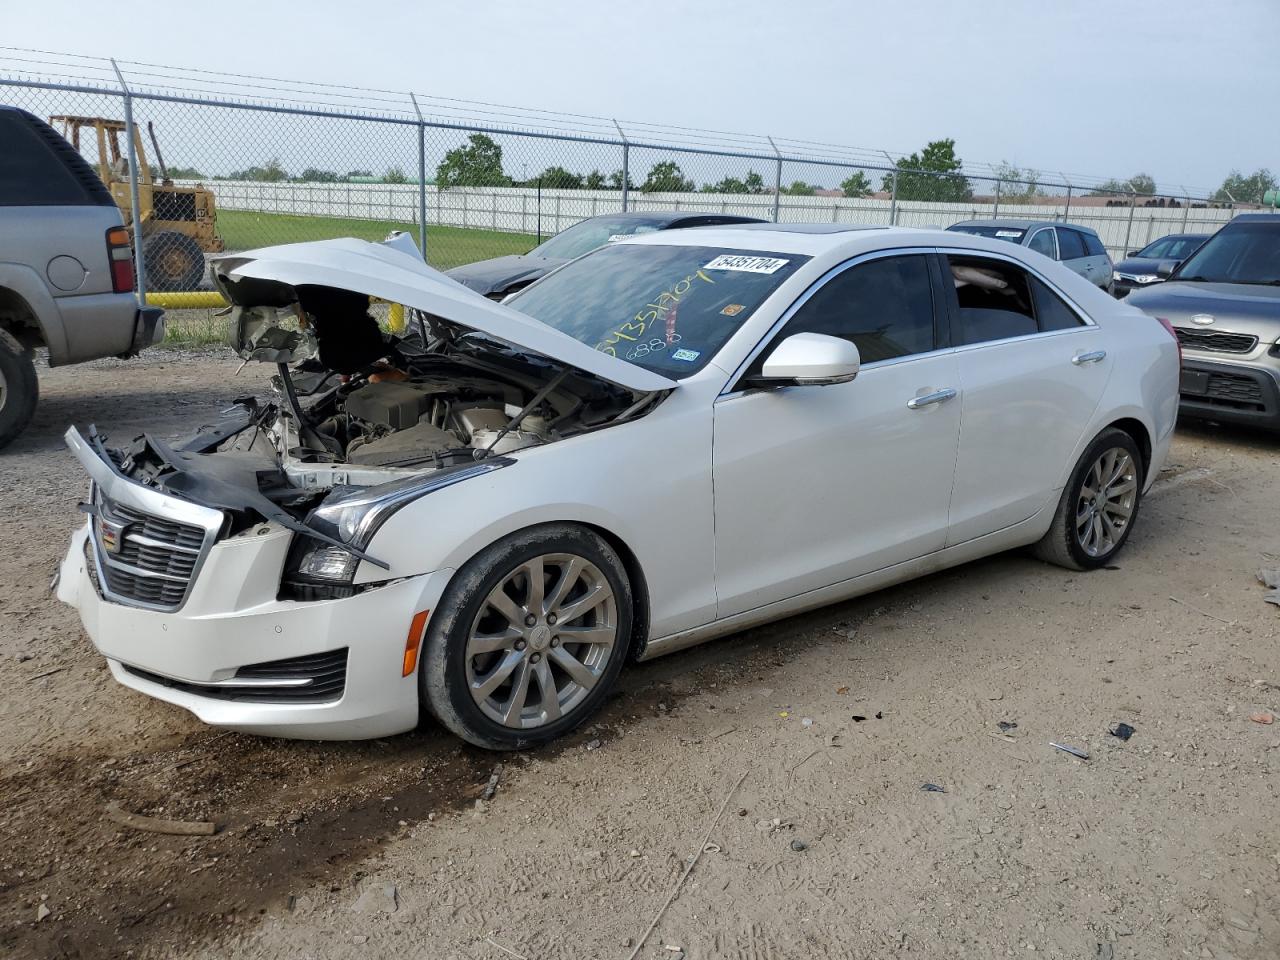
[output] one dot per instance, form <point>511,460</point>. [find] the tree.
<point>185,173</point>
<point>273,172</point>
<point>666,177</point>
<point>799,188</point>
<point>359,173</point>
<point>313,175</point>
<point>1250,189</point>
<point>751,183</point>
<point>933,174</point>
<point>479,164</point>
<point>1140,183</point>
<point>558,178</point>
<point>857,185</point>
<point>395,175</point>
<point>615,181</point>
<point>1017,184</point>
<point>594,180</point>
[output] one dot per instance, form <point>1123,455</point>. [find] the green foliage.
<point>359,173</point>
<point>479,164</point>
<point>856,185</point>
<point>799,188</point>
<point>558,178</point>
<point>272,172</point>
<point>1016,183</point>
<point>594,181</point>
<point>314,175</point>
<point>1250,189</point>
<point>932,174</point>
<point>666,177</point>
<point>1140,183</point>
<point>751,183</point>
<point>395,175</point>
<point>615,181</point>
<point>185,173</point>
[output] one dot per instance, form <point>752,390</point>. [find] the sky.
<point>1181,89</point>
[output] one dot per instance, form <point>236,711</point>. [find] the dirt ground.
<point>1163,846</point>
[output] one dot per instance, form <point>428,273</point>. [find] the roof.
<point>669,216</point>
<point>1016,223</point>
<point>809,239</point>
<point>1254,217</point>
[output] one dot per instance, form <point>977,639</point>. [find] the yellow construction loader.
<point>179,224</point>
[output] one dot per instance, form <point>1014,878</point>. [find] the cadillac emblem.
<point>110,535</point>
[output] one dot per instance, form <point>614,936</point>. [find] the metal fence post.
<point>135,218</point>
<point>422,179</point>
<point>1066,214</point>
<point>1128,227</point>
<point>893,188</point>
<point>996,215</point>
<point>777,180</point>
<point>626,165</point>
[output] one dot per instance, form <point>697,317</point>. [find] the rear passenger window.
<point>1093,246</point>
<point>993,299</point>
<point>30,174</point>
<point>1070,244</point>
<point>1042,242</point>
<point>1051,312</point>
<point>884,306</point>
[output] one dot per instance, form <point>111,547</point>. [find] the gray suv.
<point>66,270</point>
<point>1223,303</point>
<point>1079,248</point>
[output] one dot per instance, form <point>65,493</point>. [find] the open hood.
<point>394,271</point>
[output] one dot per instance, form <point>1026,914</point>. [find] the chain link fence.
<point>216,163</point>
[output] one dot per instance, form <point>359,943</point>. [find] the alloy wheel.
<point>1105,502</point>
<point>541,640</point>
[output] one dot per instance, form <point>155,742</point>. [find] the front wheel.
<point>1099,505</point>
<point>528,638</point>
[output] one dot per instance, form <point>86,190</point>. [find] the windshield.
<point>1238,253</point>
<point>1012,234</point>
<point>1171,248</point>
<point>665,308</point>
<point>586,236</point>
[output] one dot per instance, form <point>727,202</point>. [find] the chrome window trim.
<point>1052,233</point>
<point>107,482</point>
<point>1081,315</point>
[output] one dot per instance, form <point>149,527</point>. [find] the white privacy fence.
<point>527,210</point>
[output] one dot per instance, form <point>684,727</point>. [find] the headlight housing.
<point>1139,277</point>
<point>316,570</point>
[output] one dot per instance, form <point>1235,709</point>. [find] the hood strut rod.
<point>529,407</point>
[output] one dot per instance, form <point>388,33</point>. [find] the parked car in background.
<point>493,519</point>
<point>66,268</point>
<point>1076,247</point>
<point>503,275</point>
<point>1224,304</point>
<point>1154,262</point>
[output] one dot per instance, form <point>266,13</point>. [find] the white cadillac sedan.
<point>491,514</point>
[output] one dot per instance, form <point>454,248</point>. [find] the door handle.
<point>1080,359</point>
<point>938,396</point>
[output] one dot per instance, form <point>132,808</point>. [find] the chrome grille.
<point>1216,341</point>
<point>149,561</point>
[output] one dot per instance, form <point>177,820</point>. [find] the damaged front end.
<point>362,422</point>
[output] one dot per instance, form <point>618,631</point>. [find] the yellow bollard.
<point>193,300</point>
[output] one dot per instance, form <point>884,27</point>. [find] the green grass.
<point>446,246</point>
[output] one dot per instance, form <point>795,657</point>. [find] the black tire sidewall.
<point>442,679</point>
<point>154,247</point>
<point>1105,441</point>
<point>22,388</point>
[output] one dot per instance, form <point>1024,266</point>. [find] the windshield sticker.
<point>620,236</point>
<point>683,354</point>
<point>728,261</point>
<point>653,346</point>
<point>733,309</point>
<point>662,304</point>
<point>1009,233</point>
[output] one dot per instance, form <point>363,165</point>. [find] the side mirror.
<point>1163,270</point>
<point>809,358</point>
<point>1133,253</point>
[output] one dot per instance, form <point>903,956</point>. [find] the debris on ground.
<point>378,898</point>
<point>1270,577</point>
<point>42,911</point>
<point>1263,716</point>
<point>842,690</point>
<point>879,715</point>
<point>799,846</point>
<point>178,828</point>
<point>807,722</point>
<point>491,787</point>
<point>1122,731</point>
<point>594,745</point>
<point>932,788</point>
<point>1006,725</point>
<point>1075,752</point>
<point>858,718</point>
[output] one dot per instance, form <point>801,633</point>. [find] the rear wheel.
<point>174,261</point>
<point>528,639</point>
<point>19,388</point>
<point>1099,505</point>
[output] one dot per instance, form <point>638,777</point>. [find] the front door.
<point>814,485</point>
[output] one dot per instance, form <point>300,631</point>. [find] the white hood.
<point>395,272</point>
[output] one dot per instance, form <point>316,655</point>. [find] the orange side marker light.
<point>414,641</point>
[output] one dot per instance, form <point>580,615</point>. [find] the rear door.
<point>1072,253</point>
<point>1100,262</point>
<point>1032,370</point>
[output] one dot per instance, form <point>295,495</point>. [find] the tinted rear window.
<point>1012,234</point>
<point>1070,244</point>
<point>38,168</point>
<point>1093,246</point>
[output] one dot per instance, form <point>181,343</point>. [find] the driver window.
<point>884,306</point>
<point>1042,242</point>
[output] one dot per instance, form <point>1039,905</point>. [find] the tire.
<point>472,642</point>
<point>1088,531</point>
<point>174,261</point>
<point>19,388</point>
